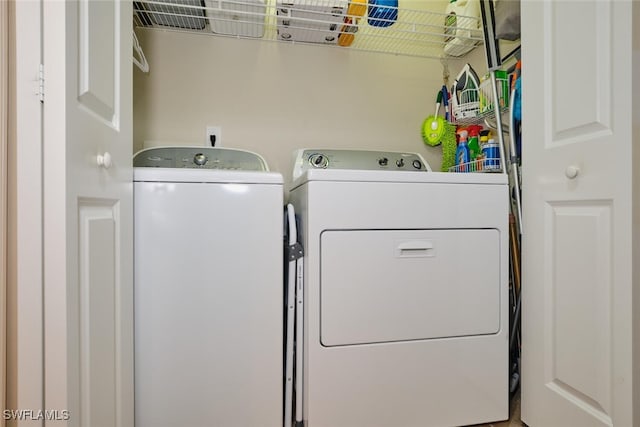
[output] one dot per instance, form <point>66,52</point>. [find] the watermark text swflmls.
<point>35,415</point>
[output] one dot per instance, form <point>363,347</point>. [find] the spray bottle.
<point>462,152</point>
<point>474,146</point>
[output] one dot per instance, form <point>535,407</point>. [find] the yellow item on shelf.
<point>356,9</point>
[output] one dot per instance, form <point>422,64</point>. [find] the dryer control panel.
<point>358,160</point>
<point>200,158</point>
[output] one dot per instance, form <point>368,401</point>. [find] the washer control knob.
<point>383,161</point>
<point>400,163</point>
<point>417,164</point>
<point>319,161</point>
<point>200,159</point>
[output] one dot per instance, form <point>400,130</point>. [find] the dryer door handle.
<point>416,248</point>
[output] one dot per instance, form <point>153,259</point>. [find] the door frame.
<point>24,213</point>
<point>4,176</point>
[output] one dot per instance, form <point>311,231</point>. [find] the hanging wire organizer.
<point>338,23</point>
<point>476,105</point>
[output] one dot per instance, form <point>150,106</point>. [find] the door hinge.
<point>41,83</point>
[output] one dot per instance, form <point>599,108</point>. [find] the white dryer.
<point>406,291</point>
<point>208,289</point>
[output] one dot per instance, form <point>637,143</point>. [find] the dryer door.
<point>397,285</point>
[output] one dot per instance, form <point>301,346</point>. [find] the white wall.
<point>274,97</point>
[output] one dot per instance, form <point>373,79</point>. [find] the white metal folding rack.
<point>294,321</point>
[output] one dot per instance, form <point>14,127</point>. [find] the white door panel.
<point>579,302</point>
<point>98,313</point>
<point>99,57</point>
<point>579,101</point>
<point>577,311</point>
<point>88,227</point>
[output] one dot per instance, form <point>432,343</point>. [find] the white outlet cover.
<point>213,130</point>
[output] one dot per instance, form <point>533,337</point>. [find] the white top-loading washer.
<point>208,289</point>
<point>406,291</point>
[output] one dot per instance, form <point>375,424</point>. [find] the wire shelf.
<point>340,23</point>
<point>479,165</point>
<point>477,104</point>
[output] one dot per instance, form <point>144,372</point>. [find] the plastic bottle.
<point>462,152</point>
<point>491,155</point>
<point>484,138</point>
<point>474,146</point>
<point>356,9</point>
<point>459,31</point>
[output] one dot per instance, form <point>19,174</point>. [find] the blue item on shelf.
<point>445,102</point>
<point>517,102</point>
<point>491,152</point>
<point>382,13</point>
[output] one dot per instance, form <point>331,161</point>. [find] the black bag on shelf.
<point>507,17</point>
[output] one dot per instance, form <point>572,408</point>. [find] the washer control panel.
<point>200,158</point>
<point>358,160</point>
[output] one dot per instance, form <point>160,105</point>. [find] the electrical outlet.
<point>214,138</point>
